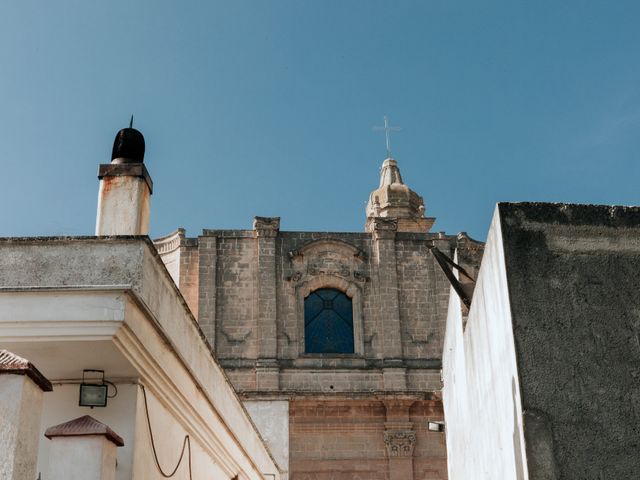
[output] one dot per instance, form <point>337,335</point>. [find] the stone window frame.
<point>351,290</point>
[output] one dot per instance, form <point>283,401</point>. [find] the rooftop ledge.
<point>113,296</point>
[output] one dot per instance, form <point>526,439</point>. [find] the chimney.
<point>125,187</point>
<point>21,387</point>
<point>82,449</point>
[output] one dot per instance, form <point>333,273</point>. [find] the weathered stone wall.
<point>251,299</point>
<point>573,287</point>
<point>252,285</point>
<point>542,381</point>
<point>337,440</point>
<point>180,256</point>
<point>271,418</point>
<point>228,293</point>
<point>190,276</point>
<point>346,439</point>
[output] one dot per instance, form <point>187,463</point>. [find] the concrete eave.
<point>111,300</point>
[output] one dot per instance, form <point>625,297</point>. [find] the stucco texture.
<point>573,285</point>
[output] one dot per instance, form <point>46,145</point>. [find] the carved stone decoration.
<point>421,340</point>
<point>360,255</point>
<point>359,276</point>
<point>381,224</point>
<point>382,228</point>
<point>295,277</point>
<point>399,443</point>
<point>171,242</point>
<point>294,254</point>
<point>328,263</point>
<point>237,339</point>
<point>319,246</point>
<point>322,267</point>
<point>327,257</point>
<point>287,337</point>
<point>266,226</point>
<point>369,339</point>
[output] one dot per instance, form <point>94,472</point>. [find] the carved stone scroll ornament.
<point>382,227</point>
<point>359,276</point>
<point>294,254</point>
<point>295,277</point>
<point>399,443</point>
<point>237,339</point>
<point>382,224</point>
<point>322,268</point>
<point>266,226</point>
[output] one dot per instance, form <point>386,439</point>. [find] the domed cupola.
<point>394,199</point>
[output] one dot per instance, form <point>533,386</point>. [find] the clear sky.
<point>267,107</point>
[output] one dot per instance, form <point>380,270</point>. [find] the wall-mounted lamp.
<point>435,426</point>
<point>93,391</point>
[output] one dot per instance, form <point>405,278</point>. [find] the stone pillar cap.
<point>82,426</point>
<point>12,364</point>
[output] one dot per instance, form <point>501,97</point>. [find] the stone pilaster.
<point>384,238</point>
<point>267,372</point>
<point>399,439</point>
<point>207,248</point>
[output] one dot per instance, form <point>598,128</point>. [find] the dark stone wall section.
<point>575,299</point>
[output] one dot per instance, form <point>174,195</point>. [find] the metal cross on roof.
<point>387,129</point>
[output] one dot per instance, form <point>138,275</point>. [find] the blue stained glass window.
<point>328,322</point>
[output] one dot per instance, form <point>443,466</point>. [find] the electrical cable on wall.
<point>186,444</point>
<point>115,394</point>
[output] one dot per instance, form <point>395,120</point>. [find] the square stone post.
<point>124,199</point>
<point>267,371</point>
<point>82,449</point>
<point>384,237</point>
<point>21,392</point>
<point>399,439</point>
<point>207,294</point>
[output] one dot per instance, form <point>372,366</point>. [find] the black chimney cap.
<point>128,147</point>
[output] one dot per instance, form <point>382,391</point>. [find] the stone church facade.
<point>332,340</point>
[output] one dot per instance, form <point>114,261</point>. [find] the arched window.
<point>328,322</point>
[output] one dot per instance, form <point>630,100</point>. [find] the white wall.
<point>61,405</point>
<point>481,393</point>
<point>87,457</point>
<point>120,312</point>
<point>20,407</point>
<point>271,417</point>
<point>168,435</point>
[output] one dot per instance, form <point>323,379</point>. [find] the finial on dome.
<point>128,147</point>
<point>390,173</point>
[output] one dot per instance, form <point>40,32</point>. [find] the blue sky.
<point>267,107</point>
